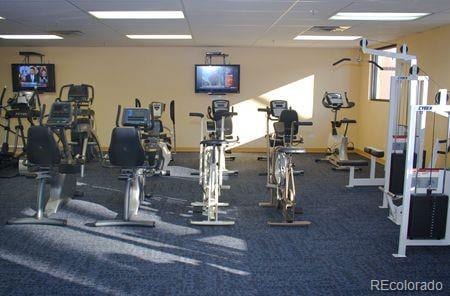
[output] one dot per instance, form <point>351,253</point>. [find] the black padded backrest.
<point>125,149</point>
<point>228,125</point>
<point>287,117</point>
<point>42,149</point>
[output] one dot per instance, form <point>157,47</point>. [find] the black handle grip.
<point>172,111</point>
<point>376,65</point>
<point>342,60</point>
<point>263,109</point>
<point>195,114</point>
<point>137,103</point>
<point>2,96</point>
<point>119,108</point>
<point>303,123</point>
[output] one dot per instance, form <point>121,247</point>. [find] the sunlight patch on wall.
<point>250,125</point>
<point>299,94</point>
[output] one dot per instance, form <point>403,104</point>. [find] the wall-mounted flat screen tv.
<point>31,76</point>
<point>217,78</point>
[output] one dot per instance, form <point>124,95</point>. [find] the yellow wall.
<point>121,74</point>
<point>432,49</point>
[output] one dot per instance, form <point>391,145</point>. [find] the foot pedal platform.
<point>266,204</point>
<point>213,223</point>
<point>290,224</point>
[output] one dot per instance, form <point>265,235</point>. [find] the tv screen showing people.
<point>33,76</point>
<point>217,78</point>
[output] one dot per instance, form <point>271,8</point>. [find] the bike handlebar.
<point>196,114</point>
<point>303,123</point>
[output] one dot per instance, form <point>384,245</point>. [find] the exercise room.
<point>224,147</point>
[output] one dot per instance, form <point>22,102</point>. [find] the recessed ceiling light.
<point>326,38</point>
<point>151,14</point>
<point>377,16</point>
<point>159,36</point>
<point>30,37</point>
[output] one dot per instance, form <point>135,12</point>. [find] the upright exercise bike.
<point>211,171</point>
<point>281,185</point>
<point>338,144</point>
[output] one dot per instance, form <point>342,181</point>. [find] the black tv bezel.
<point>51,87</point>
<point>221,90</point>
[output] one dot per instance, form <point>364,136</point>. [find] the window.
<point>380,80</point>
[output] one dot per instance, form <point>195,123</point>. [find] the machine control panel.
<point>277,106</point>
<point>157,109</point>
<point>220,106</point>
<point>137,117</point>
<point>334,99</point>
<point>61,114</point>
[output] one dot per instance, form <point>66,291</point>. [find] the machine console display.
<point>158,109</point>
<point>277,106</point>
<point>334,99</point>
<point>61,114</point>
<point>137,117</point>
<point>220,105</point>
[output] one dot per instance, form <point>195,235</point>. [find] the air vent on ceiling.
<point>328,29</point>
<point>67,33</point>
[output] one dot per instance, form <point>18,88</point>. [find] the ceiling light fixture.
<point>326,38</point>
<point>31,37</point>
<point>151,14</point>
<point>378,16</point>
<point>156,37</point>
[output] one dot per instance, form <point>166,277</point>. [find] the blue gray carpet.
<point>349,243</point>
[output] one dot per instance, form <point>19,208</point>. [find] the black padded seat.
<point>354,162</point>
<point>374,151</point>
<point>290,150</point>
<point>347,120</point>
<point>212,142</point>
<point>42,149</point>
<point>125,149</point>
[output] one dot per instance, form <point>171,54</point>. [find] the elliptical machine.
<point>338,144</point>
<point>83,139</point>
<point>24,105</point>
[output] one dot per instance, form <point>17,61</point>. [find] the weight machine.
<point>425,219</point>
<point>406,90</point>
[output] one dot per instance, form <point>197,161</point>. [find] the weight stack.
<point>428,216</point>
